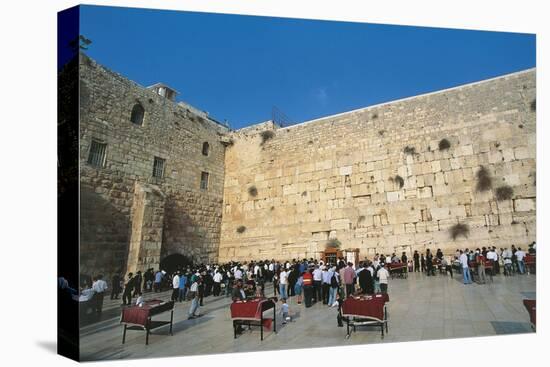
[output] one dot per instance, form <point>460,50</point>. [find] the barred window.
<point>96,156</point>
<point>205,148</point>
<point>158,167</point>
<point>204,181</point>
<point>137,114</point>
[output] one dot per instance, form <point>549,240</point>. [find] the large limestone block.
<point>393,196</point>
<point>524,205</point>
<point>440,213</point>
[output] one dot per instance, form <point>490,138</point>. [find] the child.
<point>284,310</point>
<point>507,266</point>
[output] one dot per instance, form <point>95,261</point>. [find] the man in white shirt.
<point>317,284</point>
<point>283,281</point>
<point>99,287</point>
<point>465,268</point>
<point>195,301</point>
<point>176,286</point>
<point>520,254</point>
<point>492,255</point>
<point>383,275</point>
<point>238,274</point>
<point>217,283</point>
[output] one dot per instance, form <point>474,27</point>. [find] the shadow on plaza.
<point>48,345</point>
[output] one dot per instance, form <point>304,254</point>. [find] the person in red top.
<point>349,279</point>
<point>480,260</point>
<point>307,277</point>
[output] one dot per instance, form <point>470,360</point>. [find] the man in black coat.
<point>128,288</point>
<point>416,259</point>
<point>115,286</point>
<point>365,281</point>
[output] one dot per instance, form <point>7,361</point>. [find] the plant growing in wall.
<point>252,191</point>
<point>241,229</point>
<point>334,243</point>
<point>459,229</point>
<point>266,135</point>
<point>409,150</point>
<point>534,105</point>
<point>375,115</point>
<point>444,144</point>
<point>504,193</point>
<point>399,181</point>
<point>484,180</point>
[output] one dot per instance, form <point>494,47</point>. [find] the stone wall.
<point>336,177</point>
<point>179,217</point>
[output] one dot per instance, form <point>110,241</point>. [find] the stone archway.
<point>173,262</point>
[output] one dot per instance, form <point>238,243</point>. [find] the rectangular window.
<point>158,167</point>
<point>204,181</point>
<point>96,157</point>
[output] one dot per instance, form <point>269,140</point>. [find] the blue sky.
<point>238,67</point>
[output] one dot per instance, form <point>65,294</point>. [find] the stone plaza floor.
<point>420,308</point>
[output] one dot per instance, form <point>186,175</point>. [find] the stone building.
<point>161,178</point>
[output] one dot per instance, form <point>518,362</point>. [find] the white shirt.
<point>176,282</point>
<point>194,287</point>
<point>99,286</point>
<point>383,276</point>
<point>283,277</point>
<point>218,277</point>
<point>520,255</point>
<point>86,295</point>
<point>464,260</point>
<point>491,255</point>
<point>256,269</point>
<point>238,274</point>
<point>270,267</point>
<point>317,274</point>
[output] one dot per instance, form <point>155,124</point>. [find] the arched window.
<point>137,114</point>
<point>205,148</point>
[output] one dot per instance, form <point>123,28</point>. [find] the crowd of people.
<point>308,281</point>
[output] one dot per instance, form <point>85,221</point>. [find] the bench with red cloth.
<point>365,311</point>
<point>531,306</point>
<point>251,313</point>
<point>489,266</point>
<point>530,262</point>
<point>140,318</point>
<point>398,269</point>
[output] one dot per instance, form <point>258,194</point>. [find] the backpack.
<point>333,281</point>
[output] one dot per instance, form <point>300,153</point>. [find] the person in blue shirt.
<point>183,287</point>
<point>158,280</point>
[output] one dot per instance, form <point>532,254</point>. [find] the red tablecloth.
<point>248,310</point>
<point>139,315</point>
<point>393,266</point>
<point>531,306</point>
<point>530,260</point>
<point>365,307</point>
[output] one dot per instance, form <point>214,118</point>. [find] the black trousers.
<point>349,289</point>
<point>127,296</point>
<point>317,290</point>
<point>326,288</point>
<point>98,298</point>
<point>308,293</point>
<point>175,294</point>
<point>115,292</point>
<point>216,290</point>
<point>383,288</point>
<point>416,266</point>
